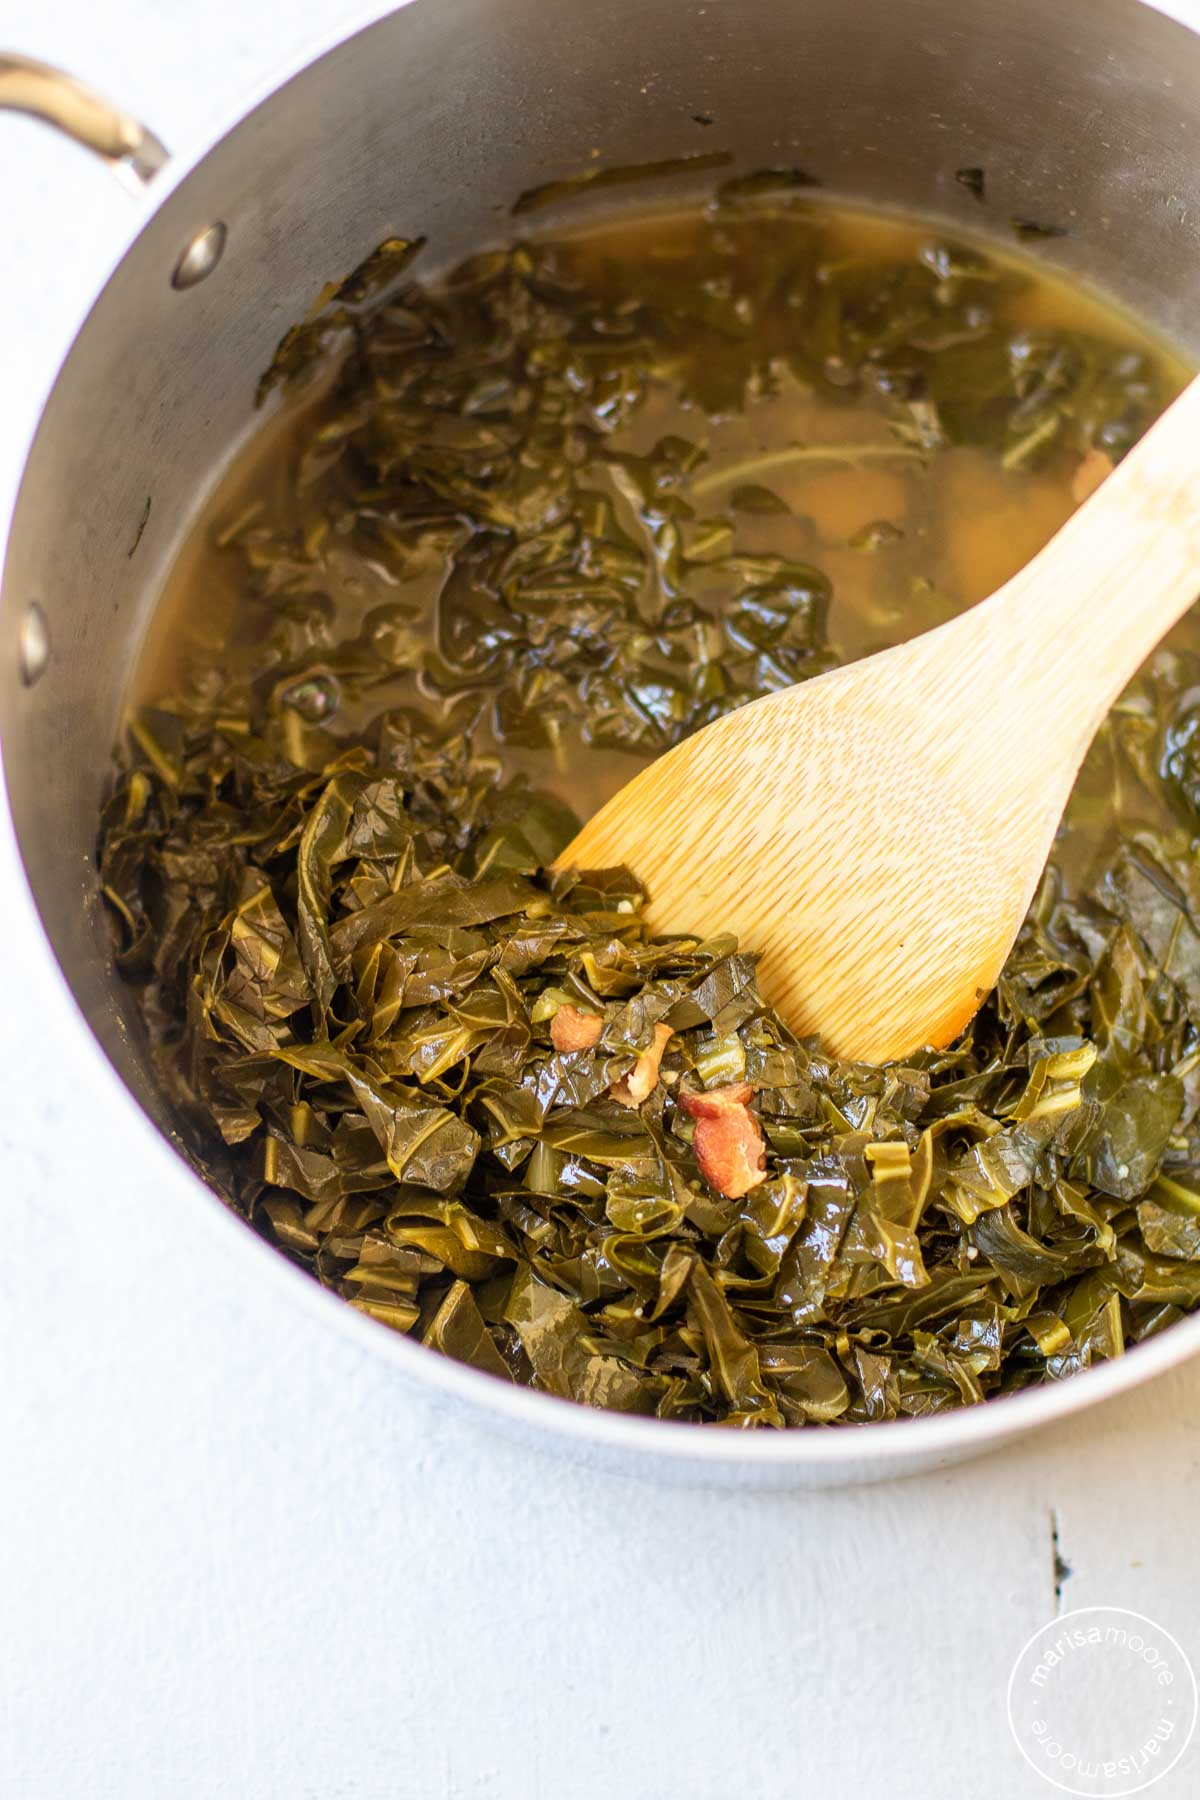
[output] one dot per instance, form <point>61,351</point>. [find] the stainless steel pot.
<point>1084,113</point>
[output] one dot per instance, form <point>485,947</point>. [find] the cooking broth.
<point>907,535</point>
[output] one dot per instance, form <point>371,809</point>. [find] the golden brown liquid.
<point>962,522</point>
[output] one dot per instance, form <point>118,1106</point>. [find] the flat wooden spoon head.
<point>876,834</point>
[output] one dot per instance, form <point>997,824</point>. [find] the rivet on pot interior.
<point>201,256</point>
<point>33,644</point>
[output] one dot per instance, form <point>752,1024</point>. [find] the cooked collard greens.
<point>552,513</point>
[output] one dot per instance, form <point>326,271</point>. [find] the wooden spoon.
<point>877,833</point>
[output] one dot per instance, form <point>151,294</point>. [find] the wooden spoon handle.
<point>1075,624</point>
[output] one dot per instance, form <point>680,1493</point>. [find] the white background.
<point>236,1559</point>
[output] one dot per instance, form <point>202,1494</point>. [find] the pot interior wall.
<point>1084,114</point>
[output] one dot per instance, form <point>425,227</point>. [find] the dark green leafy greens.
<point>327,864</point>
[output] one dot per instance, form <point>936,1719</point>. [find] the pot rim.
<point>891,1447</point>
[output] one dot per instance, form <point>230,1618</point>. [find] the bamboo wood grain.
<point>877,833</point>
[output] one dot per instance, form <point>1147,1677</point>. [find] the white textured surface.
<point>236,1558</point>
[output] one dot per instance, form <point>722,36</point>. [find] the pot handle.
<point>132,151</point>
